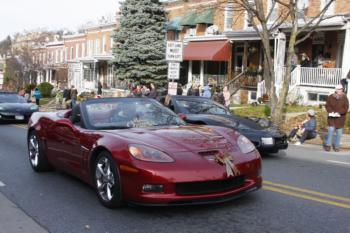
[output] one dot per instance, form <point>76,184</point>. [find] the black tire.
<point>107,179</point>
<point>37,157</point>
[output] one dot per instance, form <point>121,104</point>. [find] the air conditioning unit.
<point>212,30</point>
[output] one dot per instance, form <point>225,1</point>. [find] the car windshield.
<point>129,113</point>
<point>11,98</point>
<point>201,107</point>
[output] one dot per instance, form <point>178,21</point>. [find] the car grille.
<point>281,140</point>
<point>196,188</point>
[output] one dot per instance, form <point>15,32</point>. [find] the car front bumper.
<point>133,193</point>
<point>15,116</point>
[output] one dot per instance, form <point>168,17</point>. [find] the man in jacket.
<point>337,106</point>
<point>73,96</point>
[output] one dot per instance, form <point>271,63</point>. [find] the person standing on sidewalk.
<point>99,88</point>
<point>337,106</point>
<point>73,96</point>
<point>37,96</point>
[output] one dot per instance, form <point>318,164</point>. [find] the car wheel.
<point>37,157</point>
<point>107,181</point>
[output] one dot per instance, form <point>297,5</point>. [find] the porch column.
<point>50,76</point>
<point>47,75</point>
<point>201,76</point>
<point>245,56</point>
<point>346,54</point>
<point>189,77</point>
<point>229,64</point>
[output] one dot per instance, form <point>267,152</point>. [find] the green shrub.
<point>267,111</point>
<point>45,89</point>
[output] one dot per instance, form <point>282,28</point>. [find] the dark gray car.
<point>14,107</point>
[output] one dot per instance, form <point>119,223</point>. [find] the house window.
<point>317,97</point>
<point>97,46</point>
<point>248,20</point>
<point>61,56</point>
<point>76,50</point>
<point>273,8</point>
<point>83,49</point>
<point>312,96</point>
<point>66,55</point>
<point>44,58</point>
<point>56,57</point>
<point>330,10</point>
<point>191,31</point>
<point>104,44</point>
<point>71,53</point>
<point>228,20</point>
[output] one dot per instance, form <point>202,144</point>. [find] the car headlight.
<point>149,154</point>
<point>245,145</point>
<point>34,107</point>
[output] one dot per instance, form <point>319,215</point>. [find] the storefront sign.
<point>172,88</point>
<point>174,51</point>
<point>173,71</point>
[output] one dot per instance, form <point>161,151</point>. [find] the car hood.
<point>251,128</point>
<point>16,106</point>
<point>178,138</point>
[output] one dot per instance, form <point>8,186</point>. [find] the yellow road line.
<point>307,191</point>
<point>21,126</point>
<point>306,197</point>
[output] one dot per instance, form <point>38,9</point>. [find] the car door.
<point>64,146</point>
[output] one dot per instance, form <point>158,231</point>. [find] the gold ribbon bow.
<point>227,160</point>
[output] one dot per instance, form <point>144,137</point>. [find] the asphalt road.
<point>305,190</point>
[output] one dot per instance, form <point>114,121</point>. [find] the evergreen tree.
<point>140,42</point>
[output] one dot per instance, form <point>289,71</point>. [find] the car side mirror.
<point>182,116</point>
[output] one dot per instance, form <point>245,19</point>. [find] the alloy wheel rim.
<point>34,150</point>
<point>105,179</point>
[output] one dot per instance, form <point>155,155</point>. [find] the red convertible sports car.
<point>134,150</point>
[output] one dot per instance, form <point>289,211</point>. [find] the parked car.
<point>14,107</point>
<point>203,111</point>
<point>134,150</point>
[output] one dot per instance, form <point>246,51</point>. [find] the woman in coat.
<point>337,106</point>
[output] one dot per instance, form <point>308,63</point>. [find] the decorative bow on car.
<point>227,160</point>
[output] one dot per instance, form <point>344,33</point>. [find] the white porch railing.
<point>307,76</point>
<point>321,77</point>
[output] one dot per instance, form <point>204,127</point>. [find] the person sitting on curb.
<point>306,130</point>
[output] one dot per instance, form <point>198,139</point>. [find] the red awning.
<point>207,51</point>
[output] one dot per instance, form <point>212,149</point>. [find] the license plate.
<point>267,141</point>
<point>19,117</point>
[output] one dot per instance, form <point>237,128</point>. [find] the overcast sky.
<point>20,15</point>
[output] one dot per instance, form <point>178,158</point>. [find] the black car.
<point>14,107</point>
<point>203,111</point>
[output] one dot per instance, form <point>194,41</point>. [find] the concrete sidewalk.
<point>14,220</point>
<point>319,140</point>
